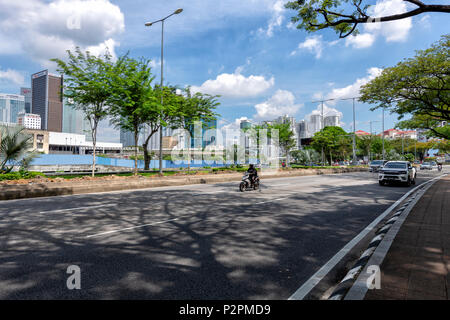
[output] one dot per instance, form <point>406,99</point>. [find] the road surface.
<point>189,242</point>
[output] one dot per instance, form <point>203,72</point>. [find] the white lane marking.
<point>269,201</point>
<point>165,221</point>
<point>130,228</point>
<point>80,208</point>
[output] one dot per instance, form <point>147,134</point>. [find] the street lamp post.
<point>371,133</point>
<point>383,132</point>
<point>149,24</point>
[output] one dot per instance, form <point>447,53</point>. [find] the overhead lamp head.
<point>178,11</point>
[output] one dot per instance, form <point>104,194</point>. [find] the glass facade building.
<point>10,107</point>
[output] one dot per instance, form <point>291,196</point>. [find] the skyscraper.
<point>245,124</point>
<point>74,120</point>
<point>27,93</point>
<point>315,123</point>
<point>331,121</point>
<point>10,107</point>
<point>47,100</point>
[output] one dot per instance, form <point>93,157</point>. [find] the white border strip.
<point>327,267</point>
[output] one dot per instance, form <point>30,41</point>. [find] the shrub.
<point>20,175</point>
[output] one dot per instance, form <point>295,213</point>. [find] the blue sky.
<point>245,50</point>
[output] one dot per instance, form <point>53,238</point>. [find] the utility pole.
<point>383,133</point>
<point>371,134</point>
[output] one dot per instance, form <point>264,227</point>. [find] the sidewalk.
<point>417,266</point>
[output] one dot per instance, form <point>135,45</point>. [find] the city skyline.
<point>247,52</point>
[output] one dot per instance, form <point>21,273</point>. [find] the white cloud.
<point>312,44</point>
<point>277,19</point>
<point>327,111</point>
<point>392,31</point>
<point>425,21</point>
<point>13,76</point>
<point>360,41</point>
<point>281,103</point>
<point>46,29</point>
<point>352,90</point>
<point>235,85</point>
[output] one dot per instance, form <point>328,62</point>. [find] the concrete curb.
<point>351,289</point>
<point>11,192</point>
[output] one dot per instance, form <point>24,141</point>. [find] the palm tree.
<point>14,148</point>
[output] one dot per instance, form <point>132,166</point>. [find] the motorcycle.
<point>246,184</point>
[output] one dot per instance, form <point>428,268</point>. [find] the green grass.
<point>20,175</point>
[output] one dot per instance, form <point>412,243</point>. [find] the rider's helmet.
<point>251,166</point>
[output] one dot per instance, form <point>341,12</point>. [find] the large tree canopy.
<point>344,16</point>
<point>418,87</point>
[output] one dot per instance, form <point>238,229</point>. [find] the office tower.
<point>127,138</point>
<point>47,100</point>
<point>74,121</point>
<point>29,120</point>
<point>315,123</point>
<point>245,124</point>
<point>10,107</point>
<point>27,93</point>
<point>331,121</point>
<point>302,129</point>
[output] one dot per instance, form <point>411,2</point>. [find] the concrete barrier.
<point>10,192</point>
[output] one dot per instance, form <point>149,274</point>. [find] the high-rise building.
<point>315,123</point>
<point>47,100</point>
<point>331,121</point>
<point>127,138</point>
<point>302,129</point>
<point>29,120</point>
<point>10,107</point>
<point>27,93</point>
<point>74,121</point>
<point>245,124</point>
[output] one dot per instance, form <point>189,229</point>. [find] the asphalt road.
<point>190,242</point>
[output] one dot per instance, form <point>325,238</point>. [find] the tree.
<point>132,100</point>
<point>432,125</point>
<point>333,140</point>
<point>254,133</point>
<point>306,156</point>
<point>194,108</point>
<point>344,16</point>
<point>14,148</point>
<point>87,87</point>
<point>286,138</point>
<point>422,148</point>
<point>419,87</point>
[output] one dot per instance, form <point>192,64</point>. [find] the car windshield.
<point>427,163</point>
<point>377,162</point>
<point>395,165</point>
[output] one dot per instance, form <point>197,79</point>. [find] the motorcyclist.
<point>252,173</point>
<point>439,166</point>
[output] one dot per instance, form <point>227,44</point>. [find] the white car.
<point>397,171</point>
<point>427,165</point>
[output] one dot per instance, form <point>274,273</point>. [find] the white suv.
<point>397,171</point>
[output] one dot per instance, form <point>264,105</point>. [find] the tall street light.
<point>354,128</point>
<point>149,24</point>
<point>322,126</point>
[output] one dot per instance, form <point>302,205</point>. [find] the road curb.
<point>13,192</point>
<point>354,285</point>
